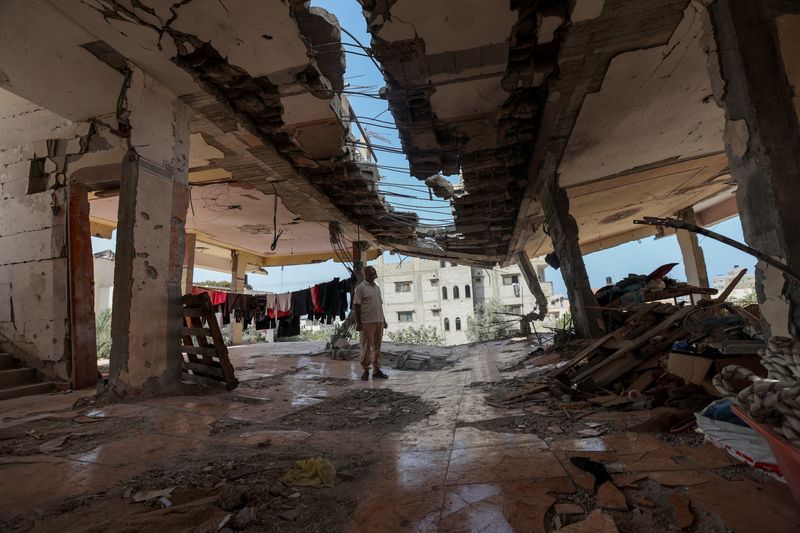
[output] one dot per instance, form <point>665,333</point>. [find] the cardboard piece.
<point>692,369</point>
<point>699,370</point>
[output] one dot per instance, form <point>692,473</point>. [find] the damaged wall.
<point>33,234</point>
<point>154,197</point>
<point>752,71</point>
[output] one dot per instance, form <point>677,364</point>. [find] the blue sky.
<point>362,76</point>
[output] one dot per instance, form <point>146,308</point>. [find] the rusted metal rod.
<point>680,224</point>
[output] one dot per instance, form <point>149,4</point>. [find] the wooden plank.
<point>589,350</point>
<point>639,341</point>
<point>187,340</point>
<point>200,350</point>
<point>732,285</point>
<point>192,311</point>
<point>204,369</point>
<point>196,332</point>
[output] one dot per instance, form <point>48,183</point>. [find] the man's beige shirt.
<point>368,296</point>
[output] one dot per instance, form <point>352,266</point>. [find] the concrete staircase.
<point>16,381</point>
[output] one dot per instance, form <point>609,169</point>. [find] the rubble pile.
<point>660,347</point>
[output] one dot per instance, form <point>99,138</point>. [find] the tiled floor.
<point>433,475</point>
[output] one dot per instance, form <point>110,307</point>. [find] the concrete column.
<point>238,269</point>
<point>147,314</point>
<point>564,234</point>
<point>83,338</point>
<point>532,280</point>
<point>187,280</point>
<point>762,138</point>
<point>694,262</point>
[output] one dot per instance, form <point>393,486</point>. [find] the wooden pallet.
<point>204,361</point>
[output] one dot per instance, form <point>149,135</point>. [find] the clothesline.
<point>324,301</point>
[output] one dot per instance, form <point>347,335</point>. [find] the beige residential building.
<point>420,292</point>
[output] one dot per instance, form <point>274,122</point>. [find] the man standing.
<point>370,321</point>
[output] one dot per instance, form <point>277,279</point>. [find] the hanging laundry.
<point>218,297</point>
<point>316,302</point>
<point>283,301</point>
<point>301,302</point>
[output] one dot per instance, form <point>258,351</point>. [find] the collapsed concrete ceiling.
<point>611,96</point>
<point>614,95</point>
<point>267,113</point>
<point>464,81</point>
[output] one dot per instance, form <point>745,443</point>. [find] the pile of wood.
<point>618,360</point>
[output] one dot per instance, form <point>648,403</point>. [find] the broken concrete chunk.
<point>144,496</point>
<point>244,518</point>
<point>610,497</point>
<point>683,514</point>
<point>232,497</point>
<point>54,444</point>
<point>596,522</point>
<point>440,186</point>
<point>568,508</point>
<point>641,501</point>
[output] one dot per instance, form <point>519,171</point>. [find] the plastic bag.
<point>741,442</point>
<point>315,472</point>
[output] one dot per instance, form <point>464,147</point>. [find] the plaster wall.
<point>33,237</point>
<point>654,105</point>
<point>103,284</point>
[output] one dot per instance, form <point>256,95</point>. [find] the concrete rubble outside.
<point>421,451</point>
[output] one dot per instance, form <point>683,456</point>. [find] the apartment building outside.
<point>745,287</point>
<point>421,292</point>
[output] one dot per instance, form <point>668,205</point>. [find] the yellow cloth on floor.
<point>315,472</point>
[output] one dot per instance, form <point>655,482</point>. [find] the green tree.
<point>219,284</point>
<point>490,321</point>
<point>426,335</point>
<point>750,299</point>
<point>102,324</point>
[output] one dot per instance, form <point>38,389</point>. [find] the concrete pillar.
<point>564,234</point>
<point>83,339</point>
<point>238,269</point>
<point>147,314</point>
<point>187,280</point>
<point>762,138</point>
<point>532,280</point>
<point>694,262</point>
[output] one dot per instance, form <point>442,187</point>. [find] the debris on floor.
<point>421,451</point>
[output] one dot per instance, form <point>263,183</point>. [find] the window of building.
<point>405,316</point>
<point>453,264</point>
<point>515,309</point>
<point>444,293</point>
<point>434,282</point>
<point>447,324</point>
<point>510,279</point>
<point>456,296</point>
<point>402,286</point>
<point>436,312</point>
<point>458,324</point>
<point>467,292</point>
<point>442,264</point>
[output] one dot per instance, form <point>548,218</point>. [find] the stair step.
<point>6,361</point>
<point>25,390</point>
<point>17,376</point>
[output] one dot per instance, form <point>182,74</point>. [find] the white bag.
<point>741,442</point>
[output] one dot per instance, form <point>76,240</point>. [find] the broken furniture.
<point>204,362</point>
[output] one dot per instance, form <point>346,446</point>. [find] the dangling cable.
<point>275,233</point>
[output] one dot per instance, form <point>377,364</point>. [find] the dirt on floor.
<point>223,488</point>
<point>379,410</point>
<point>220,490</point>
